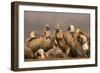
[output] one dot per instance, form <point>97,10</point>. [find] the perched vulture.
<point>84,40</point>
<point>61,42</point>
<point>38,42</point>
<point>70,39</point>
<point>47,32</point>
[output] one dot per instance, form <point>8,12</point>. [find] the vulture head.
<point>71,28</point>
<point>47,27</point>
<point>57,28</point>
<point>40,54</point>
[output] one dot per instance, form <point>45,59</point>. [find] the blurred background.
<point>36,21</point>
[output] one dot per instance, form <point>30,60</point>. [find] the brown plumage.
<point>39,42</point>
<point>55,52</point>
<point>75,47</point>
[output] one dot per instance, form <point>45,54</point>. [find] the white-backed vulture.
<point>72,43</point>
<point>47,32</point>
<point>40,54</point>
<point>70,38</point>
<point>39,42</point>
<point>83,39</point>
<point>55,52</point>
<point>61,42</point>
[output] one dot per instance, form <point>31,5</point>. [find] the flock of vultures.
<point>70,44</point>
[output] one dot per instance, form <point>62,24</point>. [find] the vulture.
<point>40,54</point>
<point>84,39</point>
<point>55,52</point>
<point>35,43</point>
<point>68,43</point>
<point>61,42</point>
<point>47,32</point>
